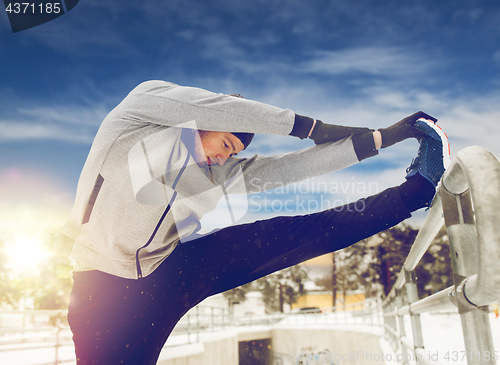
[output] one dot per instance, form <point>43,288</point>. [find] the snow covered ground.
<point>442,338</point>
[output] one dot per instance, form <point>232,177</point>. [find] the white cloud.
<point>78,115</point>
<point>367,60</point>
<point>496,57</point>
<point>470,16</point>
<point>16,130</point>
<point>389,62</point>
<point>468,126</point>
<point>221,46</point>
<point>72,123</point>
<point>395,99</point>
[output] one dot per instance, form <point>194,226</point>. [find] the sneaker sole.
<point>444,140</point>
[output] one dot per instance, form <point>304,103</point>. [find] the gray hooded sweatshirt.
<point>141,193</point>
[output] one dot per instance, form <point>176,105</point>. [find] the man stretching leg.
<point>163,158</point>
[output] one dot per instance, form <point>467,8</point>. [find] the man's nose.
<point>222,158</point>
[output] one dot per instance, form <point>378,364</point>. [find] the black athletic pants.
<point>123,321</point>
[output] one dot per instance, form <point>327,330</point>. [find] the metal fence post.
<point>197,323</point>
<point>402,332</point>
<point>212,315</point>
<point>416,324</point>
<point>188,329</point>
<point>390,324</point>
<point>388,320</point>
<point>384,320</point>
<point>24,325</point>
<point>380,311</point>
<point>58,344</point>
<point>395,324</point>
<point>371,313</point>
<point>459,221</point>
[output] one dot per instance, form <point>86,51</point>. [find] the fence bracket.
<point>460,300</point>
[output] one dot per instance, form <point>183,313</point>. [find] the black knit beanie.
<point>245,138</point>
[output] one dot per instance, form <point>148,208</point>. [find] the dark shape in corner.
<point>26,15</point>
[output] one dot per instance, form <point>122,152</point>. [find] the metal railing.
<point>474,237</point>
<point>34,330</point>
<point>31,329</point>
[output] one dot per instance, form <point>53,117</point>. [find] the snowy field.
<point>442,338</point>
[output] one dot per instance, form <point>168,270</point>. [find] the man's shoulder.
<point>151,85</point>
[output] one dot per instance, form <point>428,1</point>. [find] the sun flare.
<point>25,253</point>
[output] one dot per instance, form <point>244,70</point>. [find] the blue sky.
<point>355,62</point>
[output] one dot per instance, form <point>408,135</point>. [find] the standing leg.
<point>123,321</point>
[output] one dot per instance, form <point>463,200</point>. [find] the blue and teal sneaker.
<point>433,154</point>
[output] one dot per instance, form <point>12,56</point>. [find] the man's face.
<point>217,147</point>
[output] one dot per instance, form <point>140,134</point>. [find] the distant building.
<point>319,297</point>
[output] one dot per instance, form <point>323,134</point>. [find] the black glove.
<point>323,133</point>
<point>403,129</point>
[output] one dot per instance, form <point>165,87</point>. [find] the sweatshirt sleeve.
<point>270,172</point>
<point>168,104</point>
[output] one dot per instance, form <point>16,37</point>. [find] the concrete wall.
<point>342,345</point>
<point>327,346</point>
<point>218,348</point>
